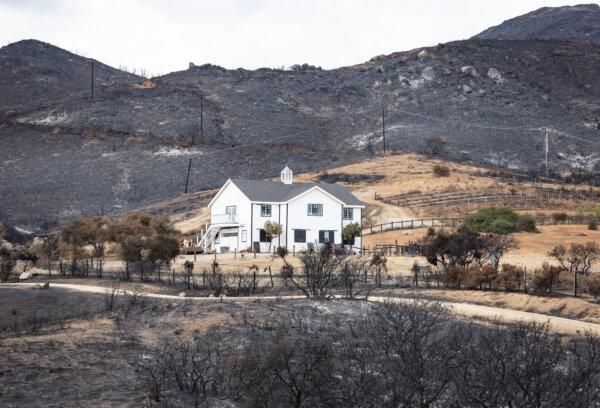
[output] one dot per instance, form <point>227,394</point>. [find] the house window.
<point>230,211</point>
<point>315,209</point>
<point>326,237</point>
<point>300,235</point>
<point>265,210</point>
<point>264,237</point>
<point>348,214</point>
<point>244,235</point>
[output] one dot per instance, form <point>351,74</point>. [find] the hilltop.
<point>35,74</point>
<point>492,101</point>
<point>580,24</point>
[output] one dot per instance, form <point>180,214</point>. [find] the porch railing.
<point>224,219</point>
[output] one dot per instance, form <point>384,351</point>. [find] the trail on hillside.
<point>557,324</point>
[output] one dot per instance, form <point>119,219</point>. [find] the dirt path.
<point>558,324</point>
<point>383,212</point>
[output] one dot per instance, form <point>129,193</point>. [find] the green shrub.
<point>482,220</point>
<point>593,225</point>
<point>503,227</point>
<point>526,223</point>
<point>350,232</point>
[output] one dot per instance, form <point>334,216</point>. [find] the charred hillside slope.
<point>34,74</point>
<point>580,24</point>
<point>492,100</point>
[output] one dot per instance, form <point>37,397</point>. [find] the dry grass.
<point>533,247</point>
<point>578,309</point>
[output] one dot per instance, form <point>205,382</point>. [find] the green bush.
<point>593,225</point>
<point>482,220</point>
<point>526,223</point>
<point>503,227</point>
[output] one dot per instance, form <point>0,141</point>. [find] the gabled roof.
<point>277,192</point>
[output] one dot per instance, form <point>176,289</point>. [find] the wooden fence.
<point>534,197</point>
<point>455,222</point>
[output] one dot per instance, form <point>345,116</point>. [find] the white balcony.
<point>224,219</point>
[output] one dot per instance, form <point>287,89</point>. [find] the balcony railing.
<point>224,219</point>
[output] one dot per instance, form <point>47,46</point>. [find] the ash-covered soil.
<point>50,357</point>
<point>580,23</point>
<point>493,101</point>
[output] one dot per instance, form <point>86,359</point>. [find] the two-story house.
<point>309,213</point>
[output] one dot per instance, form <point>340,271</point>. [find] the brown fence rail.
<point>456,222</point>
<point>534,197</point>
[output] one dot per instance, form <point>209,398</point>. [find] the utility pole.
<point>546,149</point>
<point>383,126</point>
<point>92,79</point>
<point>202,118</point>
<point>187,178</point>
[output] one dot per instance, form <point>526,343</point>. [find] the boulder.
<point>469,70</point>
<point>494,74</point>
<point>182,294</point>
<point>403,81</point>
<point>423,54</point>
<point>24,276</point>
<point>416,83</point>
<point>428,74</point>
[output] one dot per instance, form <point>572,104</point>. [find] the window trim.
<point>270,207</point>
<point>319,206</point>
<point>299,242</point>
<point>244,235</point>
<point>231,206</point>
<point>349,209</point>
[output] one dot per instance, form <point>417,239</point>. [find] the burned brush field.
<point>137,351</point>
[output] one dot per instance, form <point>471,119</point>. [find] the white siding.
<point>278,214</point>
<point>231,195</point>
<point>299,218</point>
<point>251,221</point>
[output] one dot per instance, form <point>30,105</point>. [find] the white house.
<point>310,214</point>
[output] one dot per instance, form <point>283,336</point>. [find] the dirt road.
<point>558,324</point>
